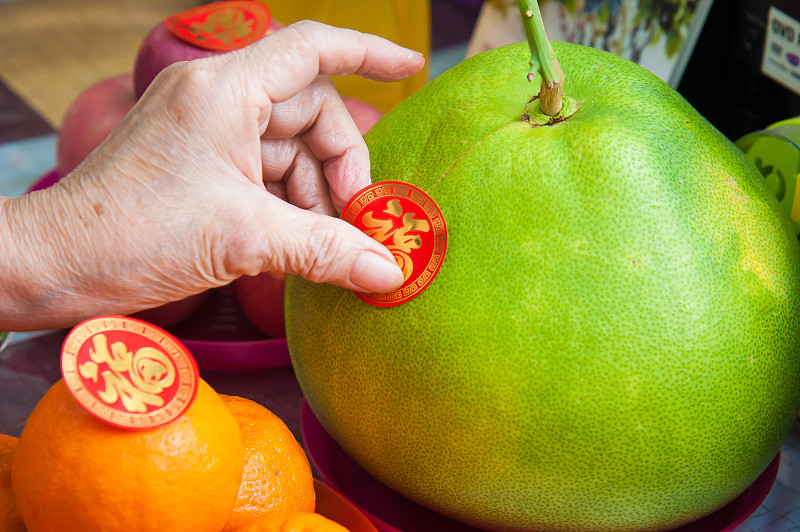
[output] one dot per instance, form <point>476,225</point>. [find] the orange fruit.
<point>73,472</point>
<point>295,522</point>
<point>310,522</point>
<point>277,479</point>
<point>10,521</point>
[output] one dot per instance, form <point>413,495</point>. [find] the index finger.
<point>284,64</point>
<point>300,52</point>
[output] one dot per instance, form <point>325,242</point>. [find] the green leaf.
<point>638,18</point>
<point>569,5</point>
<point>604,14</point>
<point>674,43</point>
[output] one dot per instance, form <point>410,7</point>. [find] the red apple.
<point>173,313</point>
<point>364,114</point>
<point>261,299</point>
<point>160,49</point>
<point>90,118</point>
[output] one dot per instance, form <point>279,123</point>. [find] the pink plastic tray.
<point>47,180</point>
<point>220,336</point>
<point>391,512</point>
<point>339,509</point>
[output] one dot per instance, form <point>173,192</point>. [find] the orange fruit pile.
<point>227,465</point>
<point>277,479</point>
<point>295,522</point>
<point>72,471</point>
<point>10,521</point>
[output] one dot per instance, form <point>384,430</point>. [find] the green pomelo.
<point>612,342</point>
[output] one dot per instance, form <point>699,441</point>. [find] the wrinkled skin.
<point>231,165</point>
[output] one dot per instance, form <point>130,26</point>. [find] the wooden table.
<point>52,50</point>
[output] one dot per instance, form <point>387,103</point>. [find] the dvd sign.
<point>781,59</point>
<point>781,28</point>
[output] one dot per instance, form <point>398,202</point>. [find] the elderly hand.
<point>231,165</point>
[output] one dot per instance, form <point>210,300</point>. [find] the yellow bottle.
<point>405,22</point>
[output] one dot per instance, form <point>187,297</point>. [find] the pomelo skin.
<point>612,342</point>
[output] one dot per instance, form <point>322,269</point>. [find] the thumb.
<point>324,249</point>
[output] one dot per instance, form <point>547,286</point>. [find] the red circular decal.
<point>222,26</point>
<point>128,373</point>
<point>410,224</point>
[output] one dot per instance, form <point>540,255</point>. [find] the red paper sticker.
<point>223,26</point>
<point>410,224</point>
<point>128,373</point>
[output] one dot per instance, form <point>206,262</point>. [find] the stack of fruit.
<point>101,107</point>
<point>217,463</point>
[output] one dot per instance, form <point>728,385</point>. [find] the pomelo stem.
<point>543,59</point>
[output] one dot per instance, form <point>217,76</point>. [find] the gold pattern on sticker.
<point>404,239</point>
<point>135,379</point>
<point>226,25</point>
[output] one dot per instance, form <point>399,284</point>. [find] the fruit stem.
<point>543,59</point>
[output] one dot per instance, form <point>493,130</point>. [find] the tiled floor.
<point>24,161</point>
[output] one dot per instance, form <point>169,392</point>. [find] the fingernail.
<point>373,273</point>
